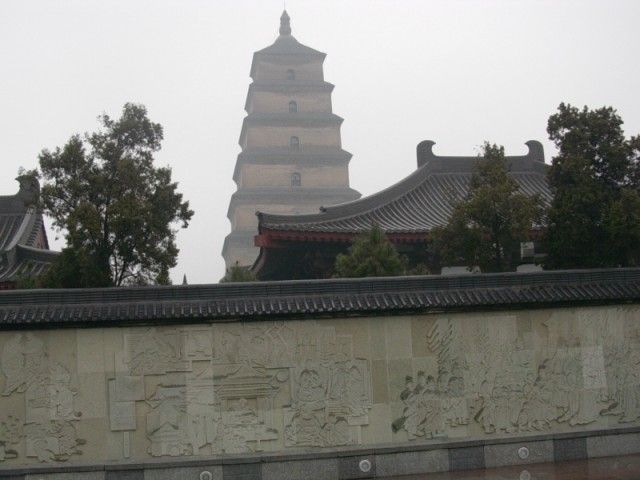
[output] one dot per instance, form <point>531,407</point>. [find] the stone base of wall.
<point>360,463</point>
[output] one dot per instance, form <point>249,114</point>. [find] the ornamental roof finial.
<point>285,27</point>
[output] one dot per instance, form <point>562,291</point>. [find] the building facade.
<point>306,246</point>
<point>292,160</point>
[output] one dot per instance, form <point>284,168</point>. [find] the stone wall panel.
<point>128,394</point>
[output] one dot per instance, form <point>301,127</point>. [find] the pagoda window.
<point>293,107</point>
<point>296,179</point>
<point>291,75</point>
<point>294,143</point>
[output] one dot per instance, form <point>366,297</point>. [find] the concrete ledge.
<point>184,473</point>
<point>65,476</point>
<point>605,446</point>
<point>565,449</point>
<point>124,475</point>
<point>321,469</point>
<point>242,471</point>
<point>466,458</point>
<point>349,467</point>
<point>344,463</point>
<point>500,455</point>
<point>412,463</point>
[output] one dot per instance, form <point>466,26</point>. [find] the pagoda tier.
<point>292,160</point>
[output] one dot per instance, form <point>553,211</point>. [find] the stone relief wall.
<point>133,393</point>
<point>47,428</point>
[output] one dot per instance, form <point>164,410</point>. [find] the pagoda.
<point>292,161</point>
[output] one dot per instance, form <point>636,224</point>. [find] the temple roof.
<point>24,249</point>
<point>419,202</point>
<point>311,298</point>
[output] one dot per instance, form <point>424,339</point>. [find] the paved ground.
<point>610,468</point>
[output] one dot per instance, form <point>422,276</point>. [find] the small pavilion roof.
<point>416,204</point>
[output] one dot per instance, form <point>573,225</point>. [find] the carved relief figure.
<point>170,428</point>
<point>424,407</point>
<point>49,400</point>
<point>330,401</point>
<point>10,436</point>
<point>265,345</point>
<point>623,392</point>
<point>22,362</point>
<point>508,392</point>
<point>153,352</point>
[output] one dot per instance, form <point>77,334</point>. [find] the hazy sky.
<point>456,72</point>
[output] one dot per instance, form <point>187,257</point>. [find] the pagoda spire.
<point>285,26</point>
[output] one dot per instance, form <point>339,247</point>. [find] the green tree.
<point>486,228</point>
<point>238,273</point>
<point>594,219</point>
<point>119,212</point>
<point>371,255</point>
<point>74,269</point>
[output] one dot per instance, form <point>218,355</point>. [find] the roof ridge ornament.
<point>285,26</point>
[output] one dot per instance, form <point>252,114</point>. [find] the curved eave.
<point>421,209</point>
<point>234,236</point>
<point>296,54</point>
<point>24,261</point>
<point>20,229</point>
<point>434,166</point>
<point>272,238</point>
<point>290,195</point>
<point>356,207</point>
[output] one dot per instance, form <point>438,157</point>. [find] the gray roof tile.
<point>416,204</point>
<point>316,298</point>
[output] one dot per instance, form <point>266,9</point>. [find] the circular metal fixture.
<point>523,452</point>
<point>206,475</point>
<point>525,475</point>
<point>365,465</point>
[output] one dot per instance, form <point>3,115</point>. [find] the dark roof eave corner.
<point>259,263</point>
<point>536,151</point>
<point>424,152</point>
<point>38,254</point>
<point>225,245</point>
<point>261,216</point>
<point>236,173</point>
<point>46,238</point>
<point>243,131</point>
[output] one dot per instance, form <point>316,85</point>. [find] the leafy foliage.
<point>75,269</point>
<point>486,228</point>
<point>238,273</point>
<point>594,219</point>
<point>371,255</point>
<point>118,211</point>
